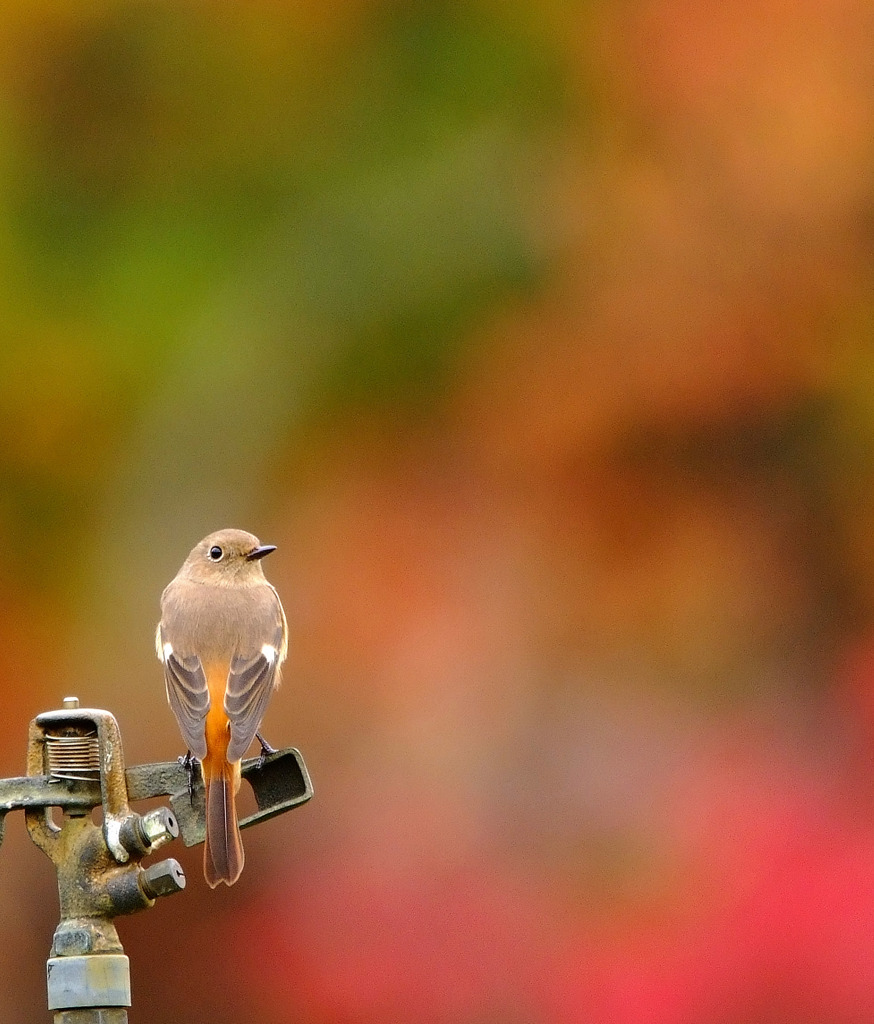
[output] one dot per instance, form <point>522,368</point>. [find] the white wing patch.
<point>269,652</point>
<point>161,649</point>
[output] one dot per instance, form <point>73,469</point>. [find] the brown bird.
<point>222,639</point>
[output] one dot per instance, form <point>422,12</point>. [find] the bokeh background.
<point>540,338</point>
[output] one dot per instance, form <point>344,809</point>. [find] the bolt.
<point>163,878</point>
<point>70,941</point>
<point>159,827</point>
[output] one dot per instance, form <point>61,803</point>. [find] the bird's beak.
<point>260,552</point>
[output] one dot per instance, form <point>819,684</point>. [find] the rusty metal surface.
<point>43,791</point>
<point>74,764</point>
<point>98,866</point>
<point>280,781</point>
<point>72,721</point>
<point>92,1015</point>
<point>281,784</point>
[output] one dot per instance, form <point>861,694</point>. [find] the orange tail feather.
<point>223,849</point>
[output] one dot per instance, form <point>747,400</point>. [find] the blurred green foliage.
<point>345,202</point>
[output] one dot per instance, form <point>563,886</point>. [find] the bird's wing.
<point>187,693</point>
<point>252,678</point>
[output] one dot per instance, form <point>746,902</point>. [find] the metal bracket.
<point>280,781</point>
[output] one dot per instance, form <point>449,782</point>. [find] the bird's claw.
<point>266,749</point>
<point>188,762</point>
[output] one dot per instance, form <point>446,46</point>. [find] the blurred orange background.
<point>540,339</point>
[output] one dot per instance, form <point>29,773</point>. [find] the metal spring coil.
<point>74,757</point>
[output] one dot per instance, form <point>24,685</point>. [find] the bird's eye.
<point>216,553</point>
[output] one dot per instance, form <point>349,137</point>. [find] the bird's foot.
<point>265,749</point>
<point>188,762</point>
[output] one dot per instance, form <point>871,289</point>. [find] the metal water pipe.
<point>74,765</point>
